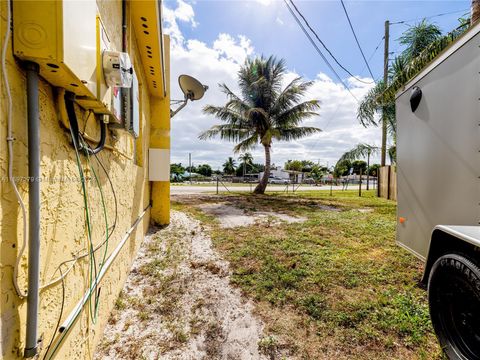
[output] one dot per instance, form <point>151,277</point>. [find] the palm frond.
<point>295,133</point>
<point>246,144</point>
<point>297,113</point>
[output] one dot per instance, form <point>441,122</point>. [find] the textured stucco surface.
<point>62,211</point>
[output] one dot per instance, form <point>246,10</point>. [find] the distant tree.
<point>373,170</point>
<point>191,169</point>
<point>359,165</point>
<point>257,168</point>
<point>229,166</point>
<point>317,172</point>
<point>205,170</point>
<point>362,151</point>
<point>177,169</point>
<point>264,111</point>
<point>246,160</point>
<point>342,168</point>
<point>307,165</point>
<point>293,165</point>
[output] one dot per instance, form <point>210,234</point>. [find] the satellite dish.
<point>191,87</point>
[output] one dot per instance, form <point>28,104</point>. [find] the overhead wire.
<point>356,39</point>
<point>429,17</point>
<point>323,44</point>
<point>318,50</point>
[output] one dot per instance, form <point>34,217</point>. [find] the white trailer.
<point>438,156</point>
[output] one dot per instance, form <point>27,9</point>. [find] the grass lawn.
<point>334,287</point>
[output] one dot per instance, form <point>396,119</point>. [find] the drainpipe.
<point>32,70</point>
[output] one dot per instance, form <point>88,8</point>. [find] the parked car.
<point>276,180</point>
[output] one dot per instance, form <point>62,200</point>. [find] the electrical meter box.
<point>61,37</point>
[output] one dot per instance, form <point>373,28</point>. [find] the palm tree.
<point>263,112</point>
<point>361,151</point>
<point>418,37</point>
<point>229,166</point>
<point>246,159</point>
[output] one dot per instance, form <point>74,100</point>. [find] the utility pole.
<point>385,81</point>
<point>190,167</point>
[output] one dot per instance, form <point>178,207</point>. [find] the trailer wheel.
<point>454,299</point>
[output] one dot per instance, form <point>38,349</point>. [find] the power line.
<point>356,39</point>
<point>323,44</point>
<point>429,17</point>
<point>318,50</point>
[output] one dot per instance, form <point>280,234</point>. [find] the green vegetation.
<point>336,286</point>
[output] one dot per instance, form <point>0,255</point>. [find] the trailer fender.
<point>446,239</point>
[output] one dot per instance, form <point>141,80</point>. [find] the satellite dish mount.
<point>192,90</point>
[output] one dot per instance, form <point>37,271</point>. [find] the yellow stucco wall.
<point>62,210</point>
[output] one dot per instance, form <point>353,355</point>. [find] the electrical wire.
<point>323,44</point>
<point>10,140</point>
<point>62,306</point>
<point>102,197</point>
<point>356,39</point>
<point>79,256</point>
<point>318,50</point>
<point>429,17</point>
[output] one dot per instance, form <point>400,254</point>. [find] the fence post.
<point>360,185</point>
<point>217,184</point>
<point>388,183</point>
<point>378,181</point>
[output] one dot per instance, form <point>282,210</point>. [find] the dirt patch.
<point>178,303</point>
<point>230,216</point>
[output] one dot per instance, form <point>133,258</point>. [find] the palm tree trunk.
<point>475,11</point>
<point>262,185</point>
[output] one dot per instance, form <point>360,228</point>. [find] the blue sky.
<point>210,40</point>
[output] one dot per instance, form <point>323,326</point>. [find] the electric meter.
<point>117,69</point>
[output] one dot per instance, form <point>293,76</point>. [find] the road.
<point>199,189</point>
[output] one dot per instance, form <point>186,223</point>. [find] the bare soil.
<point>230,216</point>
<point>178,303</point>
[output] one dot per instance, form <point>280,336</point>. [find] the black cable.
<point>356,39</point>
<point>319,51</point>
<point>72,119</point>
<point>429,17</point>
<point>326,48</point>
<point>61,312</point>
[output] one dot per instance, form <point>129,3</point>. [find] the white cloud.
<point>265,2</point>
<point>183,12</point>
<point>219,62</point>
<point>227,45</point>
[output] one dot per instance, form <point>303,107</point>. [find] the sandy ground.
<point>192,189</point>
<point>230,216</point>
<point>178,303</point>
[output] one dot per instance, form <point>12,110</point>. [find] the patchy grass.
<point>335,286</point>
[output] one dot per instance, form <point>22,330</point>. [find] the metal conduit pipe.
<point>32,71</point>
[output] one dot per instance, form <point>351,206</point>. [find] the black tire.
<point>454,299</point>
